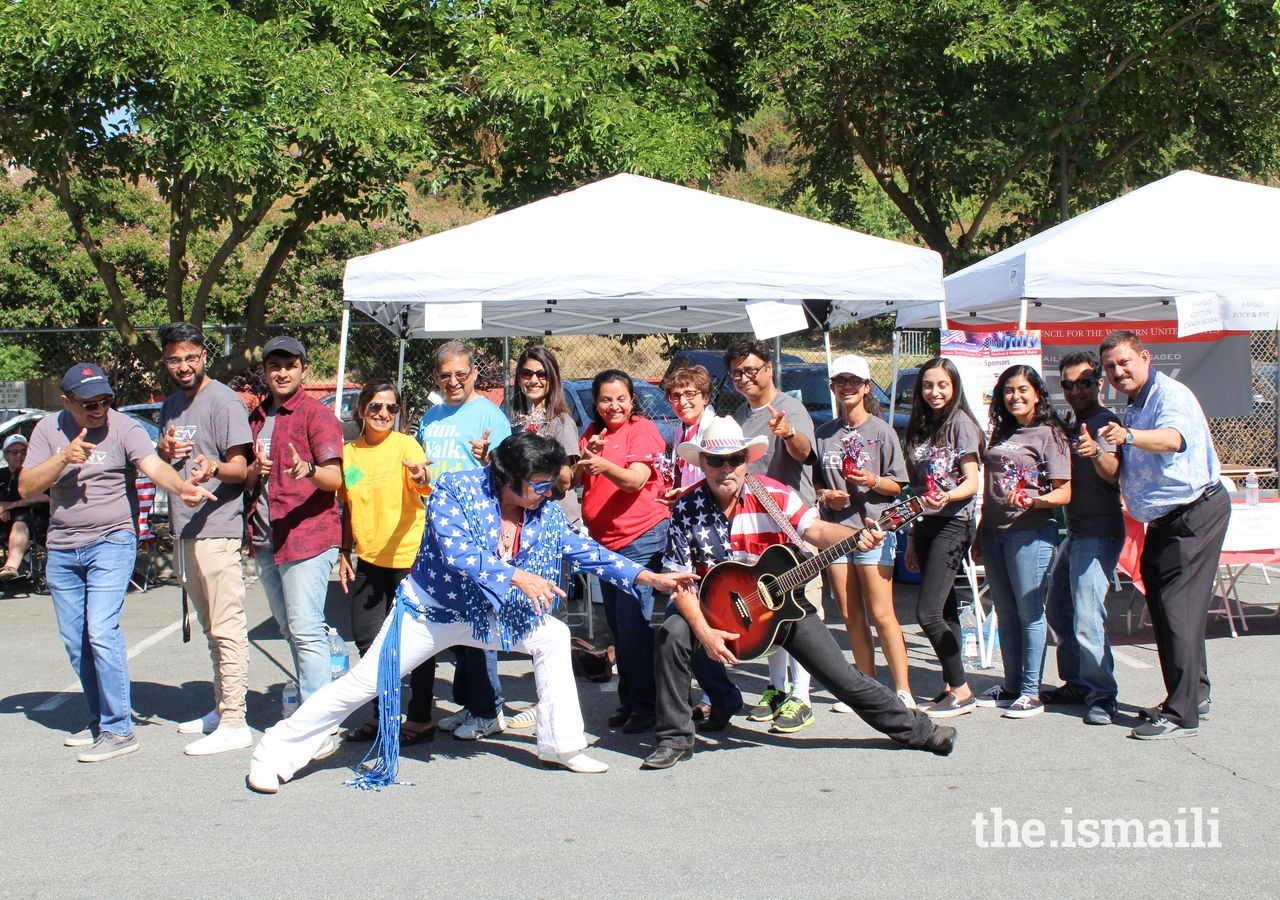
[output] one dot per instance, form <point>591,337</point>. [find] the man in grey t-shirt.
<point>205,434</point>
<point>786,423</point>
<point>87,458</point>
<point>1077,601</point>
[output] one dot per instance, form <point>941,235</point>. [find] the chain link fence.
<point>373,351</point>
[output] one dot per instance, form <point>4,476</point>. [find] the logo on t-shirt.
<point>185,432</point>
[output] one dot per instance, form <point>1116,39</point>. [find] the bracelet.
<point>791,435</point>
<point>311,469</point>
<point>216,469</point>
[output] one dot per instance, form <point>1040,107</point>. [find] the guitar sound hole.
<point>765,587</point>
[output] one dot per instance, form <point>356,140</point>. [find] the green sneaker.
<point>770,702</point>
<point>792,716</point>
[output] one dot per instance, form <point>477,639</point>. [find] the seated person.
<point>20,519</point>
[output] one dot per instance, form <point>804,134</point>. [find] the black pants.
<point>812,645</point>
<point>373,595</point>
<point>941,543</point>
<point>1179,561</point>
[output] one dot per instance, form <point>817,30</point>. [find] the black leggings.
<point>941,543</point>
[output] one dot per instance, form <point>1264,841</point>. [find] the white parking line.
<point>74,688</point>
<point>1129,660</point>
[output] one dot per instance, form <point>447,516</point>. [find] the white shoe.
<point>577,761</point>
<point>841,707</point>
<point>477,727</point>
<point>451,723</point>
<point>261,778</point>
<point>206,724</point>
<point>526,718</point>
<point>222,739</point>
<point>330,747</point>
<point>907,700</point>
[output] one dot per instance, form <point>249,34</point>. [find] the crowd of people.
<point>466,538</point>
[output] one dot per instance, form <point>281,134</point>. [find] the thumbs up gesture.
<point>1086,447</point>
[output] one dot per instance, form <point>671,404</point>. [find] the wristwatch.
<point>1128,436</point>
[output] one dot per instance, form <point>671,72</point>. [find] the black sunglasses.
<point>377,406</point>
<point>716,462</point>
<point>540,374</point>
<point>1083,383</point>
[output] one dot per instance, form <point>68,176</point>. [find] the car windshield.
<point>650,401</point>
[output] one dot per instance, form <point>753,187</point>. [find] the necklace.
<point>507,539</point>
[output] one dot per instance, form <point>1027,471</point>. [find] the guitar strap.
<point>761,493</point>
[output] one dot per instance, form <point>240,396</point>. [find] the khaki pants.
<point>209,569</point>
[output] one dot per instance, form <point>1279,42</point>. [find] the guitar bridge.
<point>740,607</point>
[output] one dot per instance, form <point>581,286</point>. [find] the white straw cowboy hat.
<point>723,437</point>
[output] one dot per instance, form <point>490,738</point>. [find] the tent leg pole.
<point>826,343</point>
<point>506,370</point>
<point>400,377</point>
<point>893,379</point>
<point>345,333</point>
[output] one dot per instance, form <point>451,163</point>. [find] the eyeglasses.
<point>455,376</point>
<point>746,372</point>
<point>14,451</point>
<point>377,406</point>
<point>190,359</point>
<point>717,462</point>
<point>540,374</point>
<point>1083,383</point>
<point>94,405</point>
<point>676,396</point>
<point>541,487</point>
<point>852,381</point>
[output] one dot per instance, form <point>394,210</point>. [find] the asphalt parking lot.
<point>833,810</point>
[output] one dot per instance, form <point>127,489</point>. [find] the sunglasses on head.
<point>93,405</point>
<point>716,461</point>
<point>377,406</point>
<point>1084,382</point>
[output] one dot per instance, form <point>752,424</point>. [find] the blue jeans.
<point>1017,564</point>
<point>1077,611</point>
<point>88,586</point>
<point>296,593</point>
<point>628,619</point>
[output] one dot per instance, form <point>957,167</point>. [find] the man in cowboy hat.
<point>724,519</point>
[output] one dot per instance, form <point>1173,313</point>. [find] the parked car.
<point>23,423</point>
<point>904,388</point>
<point>724,397</point>
<point>148,411</point>
<point>350,427</point>
<point>14,412</point>
<point>813,383</point>
<point>650,402</point>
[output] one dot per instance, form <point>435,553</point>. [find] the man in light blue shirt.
<point>1169,478</point>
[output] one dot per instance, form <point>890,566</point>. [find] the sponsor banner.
<point>980,357</point>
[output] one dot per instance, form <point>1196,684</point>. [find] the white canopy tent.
<point>1187,234</point>
<point>631,255</point>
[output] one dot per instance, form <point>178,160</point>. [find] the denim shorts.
<point>880,556</point>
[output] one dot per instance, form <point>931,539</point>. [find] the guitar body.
<point>745,599</point>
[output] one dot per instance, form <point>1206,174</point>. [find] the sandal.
<point>408,737</point>
<point>365,733</point>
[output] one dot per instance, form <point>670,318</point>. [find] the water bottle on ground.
<point>339,658</point>
<point>969,638</point>
<point>1251,488</point>
<point>289,699</point>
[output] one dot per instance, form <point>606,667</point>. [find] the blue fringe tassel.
<point>385,750</point>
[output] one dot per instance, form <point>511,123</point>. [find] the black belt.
<point>1209,492</point>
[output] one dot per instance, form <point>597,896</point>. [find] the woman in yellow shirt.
<point>384,483</point>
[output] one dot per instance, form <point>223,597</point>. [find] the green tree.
<point>984,121</point>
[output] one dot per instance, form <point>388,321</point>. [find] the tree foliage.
<point>986,120</point>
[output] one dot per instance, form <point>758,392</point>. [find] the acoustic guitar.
<point>754,600</point>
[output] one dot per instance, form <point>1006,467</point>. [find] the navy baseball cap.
<point>86,380</point>
<point>286,345</point>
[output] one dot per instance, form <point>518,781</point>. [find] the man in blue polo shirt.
<point>1169,477</point>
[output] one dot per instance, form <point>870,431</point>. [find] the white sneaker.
<point>451,723</point>
<point>330,746</point>
<point>841,707</point>
<point>222,739</point>
<point>526,718</point>
<point>477,727</point>
<point>206,724</point>
<point>907,700</point>
<point>575,762</point>
<point>261,778</point>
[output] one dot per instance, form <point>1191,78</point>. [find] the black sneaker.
<point>1102,712</point>
<point>996,697</point>
<point>1063,695</point>
<point>1202,712</point>
<point>942,741</point>
<point>770,702</point>
<point>1160,728</point>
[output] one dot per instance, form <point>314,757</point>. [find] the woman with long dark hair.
<point>1028,475</point>
<point>943,446</point>
<point>538,405</point>
<point>622,509</point>
<point>385,482</point>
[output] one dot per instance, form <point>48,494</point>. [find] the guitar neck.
<point>894,518</point>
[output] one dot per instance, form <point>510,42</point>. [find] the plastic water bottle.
<point>969,638</point>
<point>289,699</point>
<point>339,658</point>
<point>1251,488</point>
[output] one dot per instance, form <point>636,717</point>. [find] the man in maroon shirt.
<point>297,468</point>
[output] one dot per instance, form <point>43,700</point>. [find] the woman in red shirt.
<point>621,509</point>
